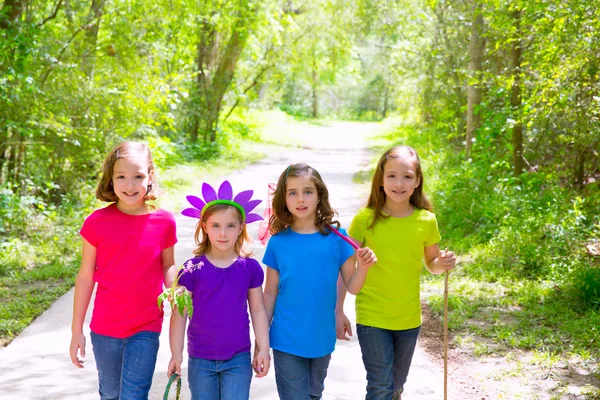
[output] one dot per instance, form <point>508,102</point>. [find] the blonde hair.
<point>377,196</point>
<point>105,190</point>
<point>203,243</point>
<point>282,217</point>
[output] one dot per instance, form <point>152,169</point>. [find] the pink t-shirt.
<point>129,269</point>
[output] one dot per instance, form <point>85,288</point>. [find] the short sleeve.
<point>357,226</point>
<point>346,251</point>
<point>89,230</point>
<point>257,276</point>
<point>186,277</point>
<point>170,234</point>
<point>270,259</point>
<point>434,233</point>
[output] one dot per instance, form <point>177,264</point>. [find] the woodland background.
<point>501,99</point>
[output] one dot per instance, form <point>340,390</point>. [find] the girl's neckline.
<point>411,215</point>
<point>210,263</point>
<point>302,233</point>
<point>149,211</point>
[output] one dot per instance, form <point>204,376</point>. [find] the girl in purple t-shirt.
<point>222,283</point>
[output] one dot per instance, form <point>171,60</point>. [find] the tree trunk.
<point>214,78</point>
<point>579,168</point>
<point>515,97</point>
<point>476,51</point>
<point>11,12</point>
<point>315,96</point>
<point>91,38</point>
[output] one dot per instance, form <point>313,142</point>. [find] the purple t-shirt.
<point>220,327</point>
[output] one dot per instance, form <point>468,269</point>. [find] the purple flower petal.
<point>225,191</point>
<point>243,197</point>
<point>196,202</point>
<point>208,192</point>
<point>253,217</point>
<point>251,205</point>
<point>191,212</point>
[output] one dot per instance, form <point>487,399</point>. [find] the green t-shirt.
<point>391,297</point>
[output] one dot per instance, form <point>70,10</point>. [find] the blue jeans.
<point>220,379</point>
<point>300,378</point>
<point>125,366</point>
<point>387,355</point>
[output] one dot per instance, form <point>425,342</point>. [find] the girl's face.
<point>301,197</point>
<point>400,179</point>
<point>223,229</point>
<point>130,181</point>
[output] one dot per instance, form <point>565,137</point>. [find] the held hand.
<point>174,365</point>
<point>365,257</point>
<point>179,290</point>
<point>447,259</point>
<point>342,326</point>
<point>261,363</point>
<point>77,343</point>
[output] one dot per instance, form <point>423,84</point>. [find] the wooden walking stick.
<point>446,335</point>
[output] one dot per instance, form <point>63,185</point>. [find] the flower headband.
<point>242,201</point>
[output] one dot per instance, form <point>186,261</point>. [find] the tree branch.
<point>254,83</point>
<point>51,16</point>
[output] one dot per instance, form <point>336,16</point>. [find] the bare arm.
<point>84,286</point>
<point>343,326</point>
<point>271,291</point>
<point>438,261</point>
<point>176,337</point>
<point>354,278</point>
<point>168,262</point>
<point>260,324</point>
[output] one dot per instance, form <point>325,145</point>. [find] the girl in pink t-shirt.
<point>128,252</point>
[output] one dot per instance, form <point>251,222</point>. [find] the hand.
<point>175,365</point>
<point>365,257</point>
<point>77,343</point>
<point>447,259</point>
<point>342,326</point>
<point>179,290</point>
<point>261,362</point>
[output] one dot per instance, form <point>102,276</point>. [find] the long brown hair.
<point>105,190</point>
<point>377,196</point>
<point>203,244</point>
<point>282,217</point>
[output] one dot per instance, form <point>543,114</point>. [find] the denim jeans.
<point>125,366</point>
<point>220,379</point>
<point>300,378</point>
<point>387,355</point>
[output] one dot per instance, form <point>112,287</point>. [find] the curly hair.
<point>282,217</point>
<point>203,244</point>
<point>105,190</point>
<point>377,196</point>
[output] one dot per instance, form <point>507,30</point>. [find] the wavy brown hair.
<point>282,217</point>
<point>203,244</point>
<point>105,190</point>
<point>377,196</point>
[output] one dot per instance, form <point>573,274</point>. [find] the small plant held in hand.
<point>179,297</point>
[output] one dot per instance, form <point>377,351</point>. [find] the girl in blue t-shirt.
<point>303,260</point>
<point>224,284</point>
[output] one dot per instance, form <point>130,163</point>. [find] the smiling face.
<point>400,179</point>
<point>130,180</point>
<point>223,229</point>
<point>301,198</point>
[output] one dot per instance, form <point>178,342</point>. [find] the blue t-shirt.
<point>304,315</point>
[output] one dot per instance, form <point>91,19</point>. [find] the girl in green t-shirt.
<point>400,228</point>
